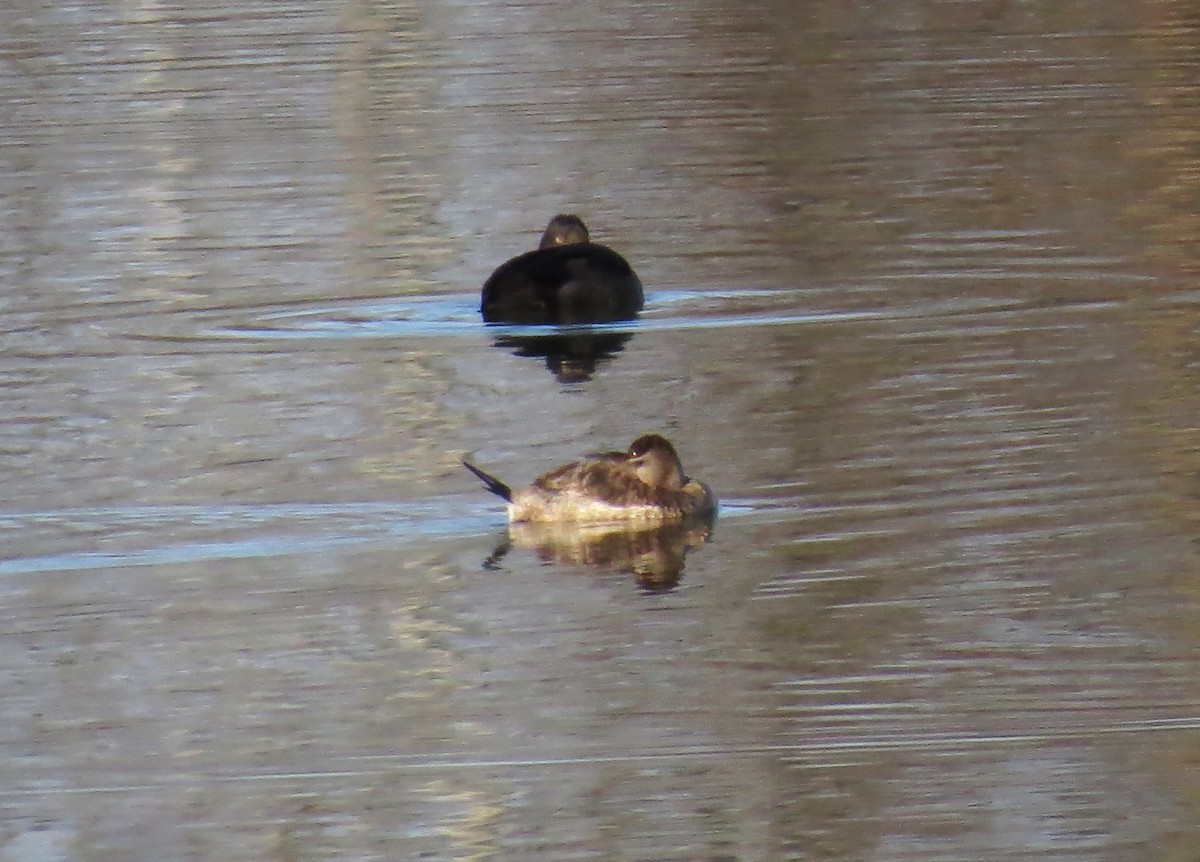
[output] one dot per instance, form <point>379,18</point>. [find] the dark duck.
<point>566,279</point>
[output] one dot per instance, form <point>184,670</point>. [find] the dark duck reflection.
<point>570,357</point>
<point>566,280</point>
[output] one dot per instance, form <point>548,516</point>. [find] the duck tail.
<point>491,482</point>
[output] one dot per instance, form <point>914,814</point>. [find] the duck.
<point>566,279</point>
<point>643,485</point>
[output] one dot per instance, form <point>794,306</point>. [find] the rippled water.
<point>921,307</point>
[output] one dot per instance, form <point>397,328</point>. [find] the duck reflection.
<point>571,357</point>
<point>653,555</point>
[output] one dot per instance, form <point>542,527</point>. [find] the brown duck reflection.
<point>653,554</point>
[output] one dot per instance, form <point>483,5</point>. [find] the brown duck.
<point>645,484</point>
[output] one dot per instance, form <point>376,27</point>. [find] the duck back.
<point>577,283</point>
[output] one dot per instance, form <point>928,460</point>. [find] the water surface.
<point>920,307</point>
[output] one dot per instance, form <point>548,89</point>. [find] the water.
<point>920,307</point>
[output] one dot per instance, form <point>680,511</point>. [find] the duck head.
<point>564,230</point>
<point>655,462</point>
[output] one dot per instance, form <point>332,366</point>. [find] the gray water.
<point>922,308</point>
